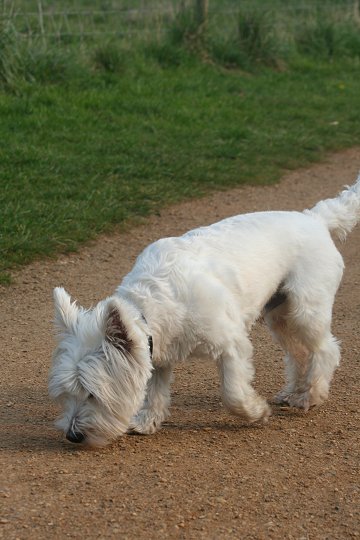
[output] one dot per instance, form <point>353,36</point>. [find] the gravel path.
<point>205,475</point>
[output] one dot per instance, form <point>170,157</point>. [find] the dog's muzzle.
<point>75,436</point>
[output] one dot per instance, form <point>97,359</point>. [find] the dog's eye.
<point>91,397</point>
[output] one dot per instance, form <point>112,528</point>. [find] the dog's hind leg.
<point>236,373</point>
<point>324,357</point>
<point>296,354</point>
<point>156,406</point>
<point>312,353</point>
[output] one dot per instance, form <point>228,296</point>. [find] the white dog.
<point>199,294</point>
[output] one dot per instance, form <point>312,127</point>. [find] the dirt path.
<point>205,474</point>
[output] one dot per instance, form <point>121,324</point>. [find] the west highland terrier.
<point>199,294</point>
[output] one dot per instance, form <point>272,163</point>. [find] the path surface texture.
<point>206,474</point>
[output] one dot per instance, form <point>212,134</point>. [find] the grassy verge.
<point>97,139</point>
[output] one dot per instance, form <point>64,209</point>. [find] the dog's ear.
<point>66,312</point>
<point>116,331</point>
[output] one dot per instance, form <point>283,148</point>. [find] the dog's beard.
<point>100,370</point>
<point>97,425</point>
<point>104,392</point>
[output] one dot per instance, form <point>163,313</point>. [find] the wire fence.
<point>82,23</point>
<point>39,18</point>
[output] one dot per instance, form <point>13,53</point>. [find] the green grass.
<point>105,134</point>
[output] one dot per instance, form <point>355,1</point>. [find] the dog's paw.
<point>254,409</point>
<point>146,422</point>
<point>302,399</point>
<point>281,398</point>
<point>299,400</point>
<point>261,412</point>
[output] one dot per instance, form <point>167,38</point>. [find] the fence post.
<point>201,12</point>
<point>357,10</point>
<point>41,22</point>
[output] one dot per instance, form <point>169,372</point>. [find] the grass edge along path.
<point>98,135</point>
<point>77,161</point>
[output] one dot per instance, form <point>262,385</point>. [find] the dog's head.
<point>100,369</point>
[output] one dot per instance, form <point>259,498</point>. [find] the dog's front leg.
<point>236,373</point>
<point>156,405</point>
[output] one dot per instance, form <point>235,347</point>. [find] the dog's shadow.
<point>227,422</point>
<point>27,420</point>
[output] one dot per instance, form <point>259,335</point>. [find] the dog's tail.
<point>342,213</point>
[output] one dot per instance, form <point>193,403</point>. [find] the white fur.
<point>199,294</point>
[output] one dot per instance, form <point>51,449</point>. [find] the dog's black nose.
<point>75,436</point>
